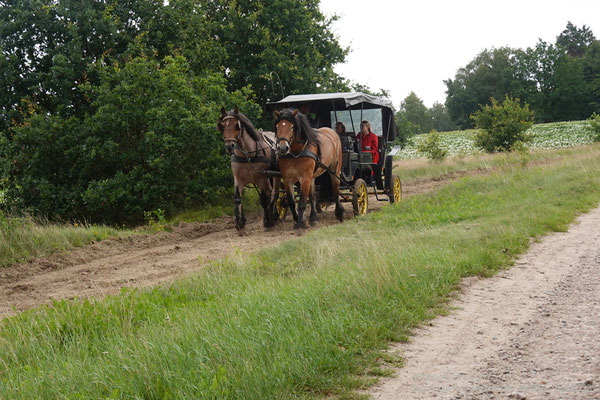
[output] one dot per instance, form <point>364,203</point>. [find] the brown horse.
<point>250,155</point>
<point>304,154</point>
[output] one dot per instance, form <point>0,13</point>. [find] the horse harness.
<point>307,153</point>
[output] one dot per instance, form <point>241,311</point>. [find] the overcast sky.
<point>405,46</point>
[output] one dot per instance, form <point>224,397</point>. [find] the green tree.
<point>148,143</point>
<point>502,126</point>
<point>416,113</point>
<point>47,46</point>
<point>553,83</point>
<point>591,73</point>
<point>431,147</point>
<point>440,118</point>
<point>405,128</point>
<point>289,37</point>
<point>492,73</point>
<point>575,40</point>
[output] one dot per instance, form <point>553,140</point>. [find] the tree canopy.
<point>559,80</point>
<point>108,107</point>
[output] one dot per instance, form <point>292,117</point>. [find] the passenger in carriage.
<point>368,140</point>
<point>340,128</point>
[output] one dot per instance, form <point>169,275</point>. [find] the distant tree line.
<point>108,108</point>
<point>560,81</point>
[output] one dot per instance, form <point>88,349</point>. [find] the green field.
<point>543,136</point>
<point>307,318</point>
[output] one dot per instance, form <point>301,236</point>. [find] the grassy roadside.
<point>422,168</point>
<point>304,319</point>
<point>22,238</point>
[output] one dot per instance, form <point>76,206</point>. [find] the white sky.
<point>414,45</point>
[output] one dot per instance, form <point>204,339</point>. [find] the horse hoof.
<point>299,226</point>
<point>339,214</point>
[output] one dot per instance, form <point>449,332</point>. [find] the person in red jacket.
<point>368,140</point>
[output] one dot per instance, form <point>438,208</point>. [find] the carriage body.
<point>359,175</point>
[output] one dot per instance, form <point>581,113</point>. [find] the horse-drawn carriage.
<point>322,165</point>
<point>360,176</point>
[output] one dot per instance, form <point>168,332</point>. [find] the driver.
<point>368,140</point>
<point>340,128</point>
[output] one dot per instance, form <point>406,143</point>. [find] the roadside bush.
<point>594,126</point>
<point>150,143</point>
<point>502,126</point>
<point>431,147</point>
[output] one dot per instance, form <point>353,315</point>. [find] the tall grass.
<point>304,319</point>
<point>23,238</point>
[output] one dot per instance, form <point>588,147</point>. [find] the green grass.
<point>23,238</point>
<point>224,206</point>
<point>305,319</point>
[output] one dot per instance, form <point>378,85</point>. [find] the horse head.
<point>285,129</point>
<point>231,127</point>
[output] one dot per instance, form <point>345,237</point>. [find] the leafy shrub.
<point>431,147</point>
<point>594,126</point>
<point>502,125</point>
<point>150,143</point>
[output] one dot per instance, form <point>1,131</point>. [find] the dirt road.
<point>532,332</point>
<point>105,267</point>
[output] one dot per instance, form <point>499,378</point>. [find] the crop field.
<point>306,318</point>
<point>543,136</point>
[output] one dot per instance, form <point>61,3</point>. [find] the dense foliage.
<point>414,118</point>
<point>108,108</point>
<point>560,81</point>
<point>594,127</point>
<point>502,126</point>
<point>149,142</point>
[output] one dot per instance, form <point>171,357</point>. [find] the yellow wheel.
<point>281,205</point>
<point>360,198</point>
<point>394,189</point>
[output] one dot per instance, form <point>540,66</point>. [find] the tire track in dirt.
<point>531,332</point>
<point>105,267</point>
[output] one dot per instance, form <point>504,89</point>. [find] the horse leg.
<point>273,200</point>
<point>314,205</point>
<point>289,189</point>
<point>335,186</point>
<point>265,202</point>
<point>240,219</point>
<point>305,184</point>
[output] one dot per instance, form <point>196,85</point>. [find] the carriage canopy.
<point>326,109</point>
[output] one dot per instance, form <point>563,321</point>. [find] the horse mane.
<point>301,125</point>
<point>244,121</point>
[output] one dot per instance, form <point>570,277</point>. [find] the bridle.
<point>239,129</point>
<point>291,139</point>
<point>237,145</point>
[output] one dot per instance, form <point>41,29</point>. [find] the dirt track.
<point>532,332</point>
<point>104,267</point>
